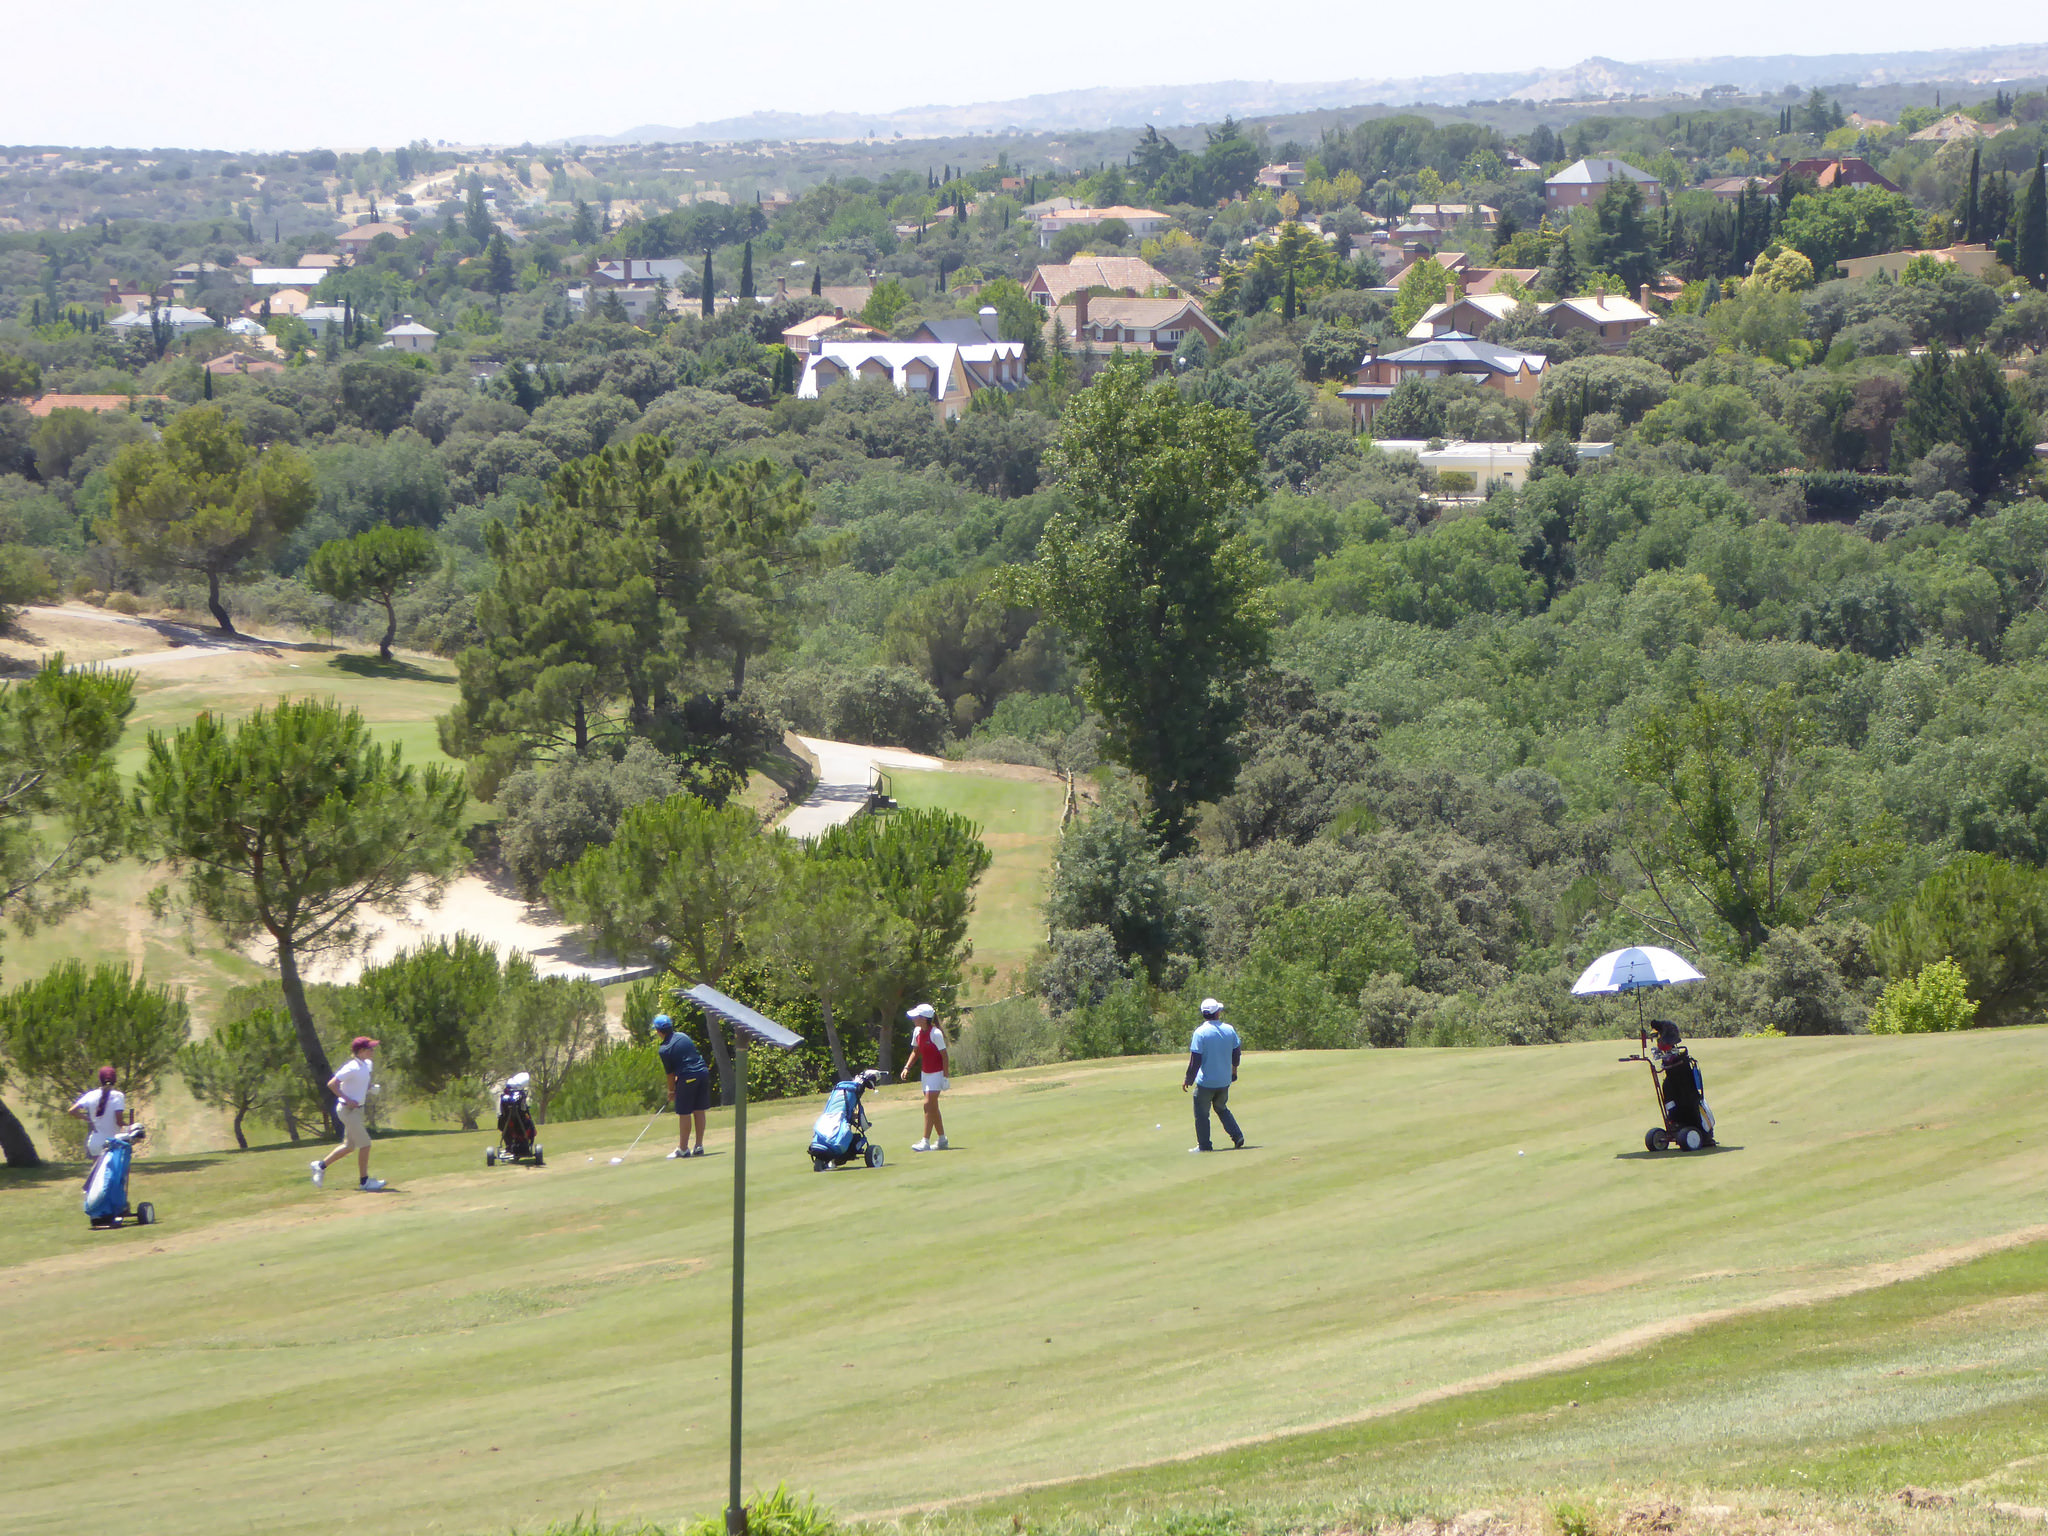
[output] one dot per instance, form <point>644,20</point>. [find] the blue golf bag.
<point>840,1134</point>
<point>106,1186</point>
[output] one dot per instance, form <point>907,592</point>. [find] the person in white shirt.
<point>928,1053</point>
<point>104,1110</point>
<point>351,1087</point>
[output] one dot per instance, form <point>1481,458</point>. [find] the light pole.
<point>748,1027</point>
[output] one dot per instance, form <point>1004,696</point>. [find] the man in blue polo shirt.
<point>1213,1056</point>
<point>689,1083</point>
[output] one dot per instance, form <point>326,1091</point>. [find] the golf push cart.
<point>841,1133</point>
<point>106,1186</point>
<point>516,1134</point>
<point>1681,1091</point>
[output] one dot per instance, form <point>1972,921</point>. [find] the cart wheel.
<point>874,1155</point>
<point>145,1214</point>
<point>1690,1140</point>
<point>490,1159</point>
<point>819,1165</point>
<point>1656,1140</point>
<point>538,1160</point>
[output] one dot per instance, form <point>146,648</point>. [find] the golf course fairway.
<point>1065,1293</point>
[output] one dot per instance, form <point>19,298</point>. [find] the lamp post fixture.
<point>748,1028</point>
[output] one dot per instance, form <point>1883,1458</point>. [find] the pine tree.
<point>747,270</point>
<point>1565,273</point>
<point>1287,301</point>
<point>706,296</point>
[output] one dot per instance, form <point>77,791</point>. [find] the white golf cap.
<point>922,1011</point>
<point>1210,1005</point>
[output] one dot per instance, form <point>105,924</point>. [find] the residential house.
<point>1582,182</point>
<point>834,326</point>
<point>1287,175</point>
<point>182,321</point>
<point>1469,314</point>
<point>1728,189</point>
<point>848,298</point>
<point>1611,318</point>
<point>353,242</point>
<point>1481,280</point>
<point>947,374</point>
<point>1143,223</point>
<point>636,299</point>
<point>1011,184</point>
<point>42,405</point>
<point>1397,263</point>
<point>1828,174</point>
<point>1443,216</point>
<point>1521,163</point>
<point>961,331</point>
<point>635,269</point>
<point>410,336</point>
<point>1518,375</point>
<point>1043,206</point>
<point>320,316</point>
<point>1957,126</point>
<point>325,259</point>
<point>1975,260</point>
<point>286,277</point>
<point>236,364</point>
<point>1095,327</point>
<point>1056,282</point>
<point>1416,236</point>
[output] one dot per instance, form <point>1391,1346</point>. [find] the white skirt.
<point>935,1082</point>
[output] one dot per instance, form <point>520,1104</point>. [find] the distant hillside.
<point>1595,79</point>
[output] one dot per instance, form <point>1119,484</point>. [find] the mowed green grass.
<point>1066,1293</point>
<point>1020,823</point>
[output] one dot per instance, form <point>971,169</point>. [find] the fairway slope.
<point>1066,1293</point>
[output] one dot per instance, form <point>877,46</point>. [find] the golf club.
<point>643,1131</point>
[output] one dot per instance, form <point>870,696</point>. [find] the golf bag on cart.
<point>1681,1093</point>
<point>840,1134</point>
<point>516,1134</point>
<point>106,1187</point>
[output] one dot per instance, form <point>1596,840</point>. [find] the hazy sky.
<point>238,75</point>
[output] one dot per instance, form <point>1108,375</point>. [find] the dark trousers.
<point>1220,1097</point>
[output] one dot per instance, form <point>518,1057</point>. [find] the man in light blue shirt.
<point>1213,1056</point>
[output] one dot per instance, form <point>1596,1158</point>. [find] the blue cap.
<point>663,1021</point>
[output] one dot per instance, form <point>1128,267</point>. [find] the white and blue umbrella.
<point>1630,970</point>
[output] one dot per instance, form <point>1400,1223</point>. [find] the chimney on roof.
<point>1643,295</point>
<point>991,322</point>
<point>1080,309</point>
<point>781,288</point>
<point>838,311</point>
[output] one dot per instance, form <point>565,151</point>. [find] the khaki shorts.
<point>354,1133</point>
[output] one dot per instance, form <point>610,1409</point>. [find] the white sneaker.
<point>371,1186</point>
<point>942,1144</point>
<point>319,1175</point>
<point>698,1153</point>
<point>922,1146</point>
<point>679,1152</point>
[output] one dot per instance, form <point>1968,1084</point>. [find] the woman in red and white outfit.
<point>928,1055</point>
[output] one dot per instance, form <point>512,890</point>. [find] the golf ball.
<point>1521,1154</point>
<point>1156,1127</point>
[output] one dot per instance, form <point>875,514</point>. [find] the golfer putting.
<point>928,1055</point>
<point>1213,1057</point>
<point>689,1083</point>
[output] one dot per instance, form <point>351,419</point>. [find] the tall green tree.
<point>1987,914</point>
<point>833,935</point>
<point>292,823</point>
<point>502,279</point>
<point>747,271</point>
<point>1148,574</point>
<point>583,227</point>
<point>476,218</point>
<point>378,563</point>
<point>430,1006</point>
<point>62,810</point>
<point>202,500</point>
<point>681,885</point>
<point>1727,819</point>
<point>925,865</point>
<point>705,291</point>
<point>1964,399</point>
<point>2030,228</point>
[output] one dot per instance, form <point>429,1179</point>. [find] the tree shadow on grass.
<point>357,664</point>
<point>42,1173</point>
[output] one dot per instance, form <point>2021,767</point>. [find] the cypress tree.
<point>2030,228</point>
<point>1287,301</point>
<point>1970,207</point>
<point>818,280</point>
<point>707,285</point>
<point>747,270</point>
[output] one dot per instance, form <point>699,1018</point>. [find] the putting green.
<point>1066,1292</point>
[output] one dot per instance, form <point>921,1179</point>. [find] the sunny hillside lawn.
<point>1066,1293</point>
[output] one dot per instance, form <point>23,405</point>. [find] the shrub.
<point>891,707</point>
<point>616,1078</point>
<point>1933,1002</point>
<point>998,1036</point>
<point>58,1031</point>
<point>553,814</point>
